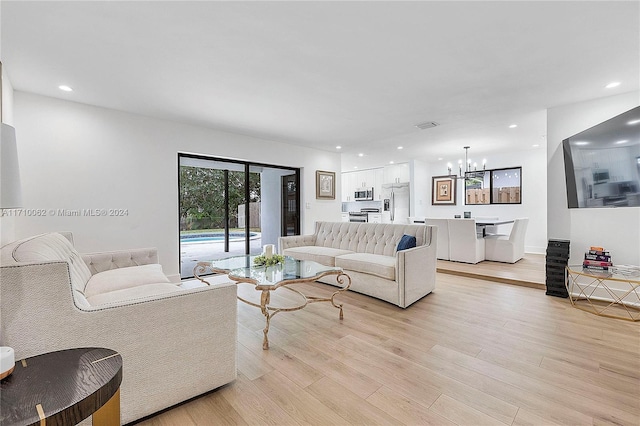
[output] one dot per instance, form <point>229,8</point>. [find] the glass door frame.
<point>247,165</point>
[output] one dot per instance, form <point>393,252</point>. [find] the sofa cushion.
<point>374,264</point>
<point>323,255</point>
<point>131,294</point>
<point>406,242</point>
<point>49,247</point>
<point>121,278</point>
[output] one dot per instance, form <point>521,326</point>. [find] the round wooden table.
<point>63,388</point>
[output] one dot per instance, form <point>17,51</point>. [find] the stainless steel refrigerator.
<point>395,203</point>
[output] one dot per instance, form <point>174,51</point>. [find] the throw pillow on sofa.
<point>406,242</point>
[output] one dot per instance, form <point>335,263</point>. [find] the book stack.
<point>597,258</point>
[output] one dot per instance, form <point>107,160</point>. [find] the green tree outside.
<point>202,197</point>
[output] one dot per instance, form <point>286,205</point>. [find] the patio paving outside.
<point>194,252</point>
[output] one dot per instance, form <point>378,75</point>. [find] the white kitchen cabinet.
<point>375,218</point>
<point>378,180</point>
<point>396,173</point>
<point>347,187</point>
<point>344,217</point>
<point>364,178</point>
<point>373,178</point>
<point>369,178</point>
<point>347,194</point>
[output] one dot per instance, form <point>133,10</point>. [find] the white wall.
<point>74,156</point>
<point>420,188</point>
<point>616,229</point>
<point>7,223</point>
<point>271,204</point>
<point>534,195</point>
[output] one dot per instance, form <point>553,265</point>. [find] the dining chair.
<point>442,241</point>
<point>507,248</point>
<point>464,243</point>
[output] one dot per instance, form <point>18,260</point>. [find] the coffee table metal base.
<point>270,311</point>
<point>241,269</point>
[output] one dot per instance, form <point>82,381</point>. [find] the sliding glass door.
<point>229,208</point>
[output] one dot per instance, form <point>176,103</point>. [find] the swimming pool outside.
<point>213,237</point>
<point>192,252</point>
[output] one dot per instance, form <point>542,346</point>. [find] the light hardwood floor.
<point>528,271</point>
<point>474,352</point>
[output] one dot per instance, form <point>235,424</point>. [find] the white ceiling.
<point>321,74</point>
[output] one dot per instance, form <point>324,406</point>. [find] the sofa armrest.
<point>416,268</point>
<point>105,261</point>
<point>295,241</point>
<point>184,341</point>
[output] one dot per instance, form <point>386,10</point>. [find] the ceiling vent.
<point>426,125</point>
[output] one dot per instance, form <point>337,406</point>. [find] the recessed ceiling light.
<point>361,155</point>
<point>390,162</point>
<point>612,84</point>
<point>632,122</point>
<point>439,158</point>
<point>513,126</point>
<point>65,88</point>
<point>622,141</point>
<point>426,125</point>
<point>338,147</point>
<point>355,167</point>
<point>399,147</point>
<point>581,143</point>
<point>535,145</point>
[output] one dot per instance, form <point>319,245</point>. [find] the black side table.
<point>63,388</point>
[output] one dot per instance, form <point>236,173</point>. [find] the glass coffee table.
<point>266,279</point>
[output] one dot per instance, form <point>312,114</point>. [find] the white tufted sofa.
<point>368,254</point>
<point>176,343</point>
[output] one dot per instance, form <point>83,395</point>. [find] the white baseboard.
<point>535,250</point>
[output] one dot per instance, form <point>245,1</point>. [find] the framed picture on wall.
<point>325,185</point>
<point>443,190</point>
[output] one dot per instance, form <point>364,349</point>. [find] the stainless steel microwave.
<point>363,194</point>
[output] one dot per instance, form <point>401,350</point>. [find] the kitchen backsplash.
<point>356,206</point>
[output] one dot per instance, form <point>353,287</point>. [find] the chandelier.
<point>467,172</point>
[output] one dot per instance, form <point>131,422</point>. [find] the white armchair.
<point>507,248</point>
<point>175,343</point>
<point>442,247</point>
<point>464,244</point>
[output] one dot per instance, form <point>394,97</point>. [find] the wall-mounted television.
<point>602,163</point>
